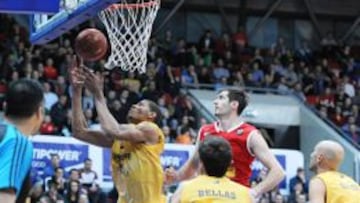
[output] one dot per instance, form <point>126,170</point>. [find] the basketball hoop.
<point>129,28</point>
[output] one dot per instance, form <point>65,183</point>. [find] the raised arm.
<point>262,152</point>
<point>144,132</point>
<point>79,127</point>
<point>188,170</point>
<point>176,198</point>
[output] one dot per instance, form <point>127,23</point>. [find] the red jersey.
<point>240,170</point>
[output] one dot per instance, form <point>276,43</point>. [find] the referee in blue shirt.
<point>24,113</point>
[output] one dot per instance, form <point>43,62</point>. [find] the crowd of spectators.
<point>327,78</point>
<point>55,184</point>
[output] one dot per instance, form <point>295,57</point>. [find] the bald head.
<point>332,151</point>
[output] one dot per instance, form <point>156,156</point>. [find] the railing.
<point>258,90</point>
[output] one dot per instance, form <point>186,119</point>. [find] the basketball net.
<point>129,26</point>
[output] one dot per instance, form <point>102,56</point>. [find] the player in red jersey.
<point>246,141</point>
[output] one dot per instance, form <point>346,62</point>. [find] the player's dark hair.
<point>155,109</point>
<point>215,154</point>
<point>23,98</point>
<point>239,96</point>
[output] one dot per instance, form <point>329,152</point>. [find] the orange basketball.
<point>91,44</point>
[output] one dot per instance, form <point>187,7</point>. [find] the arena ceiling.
<point>344,9</point>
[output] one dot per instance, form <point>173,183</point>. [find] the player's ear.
<point>40,113</point>
<point>152,115</point>
<point>234,104</point>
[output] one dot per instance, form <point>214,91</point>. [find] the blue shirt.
<point>16,153</point>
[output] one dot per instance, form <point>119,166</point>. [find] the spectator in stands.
<point>73,193</point>
<point>301,198</point>
<point>88,181</point>
<point>298,190</point>
<point>184,136</point>
<point>49,170</point>
<point>220,71</point>
<point>150,92</point>
<point>338,117</point>
<point>59,179</point>
<point>36,192</point>
<point>58,112</point>
<point>353,133</point>
<point>85,199</point>
<point>279,198</point>
<point>74,175</point>
<point>207,46</point>
<point>166,131</point>
<point>88,176</point>
<point>349,88</point>
<point>48,127</point>
<point>257,73</point>
<point>50,97</point>
<point>346,126</point>
<point>299,178</point>
<point>327,99</point>
<point>297,91</point>
<point>52,194</point>
<point>323,112</point>
<point>50,71</point>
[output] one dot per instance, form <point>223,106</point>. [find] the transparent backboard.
<point>45,28</point>
<point>29,6</point>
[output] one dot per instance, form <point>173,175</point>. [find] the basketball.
<point>91,44</point>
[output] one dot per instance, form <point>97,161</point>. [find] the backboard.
<point>45,28</point>
<point>29,6</point>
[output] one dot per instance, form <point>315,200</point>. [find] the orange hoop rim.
<point>133,5</point>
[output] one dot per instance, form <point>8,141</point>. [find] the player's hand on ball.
<point>94,82</point>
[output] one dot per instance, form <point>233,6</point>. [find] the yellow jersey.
<point>137,171</point>
<point>206,189</point>
<point>340,188</point>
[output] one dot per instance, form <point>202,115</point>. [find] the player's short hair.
<point>23,98</point>
<point>238,95</point>
<point>215,154</point>
<point>155,109</point>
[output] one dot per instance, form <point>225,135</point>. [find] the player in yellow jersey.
<point>213,187</point>
<point>136,147</point>
<point>329,185</point>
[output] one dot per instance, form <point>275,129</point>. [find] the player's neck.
<point>323,170</point>
<point>26,128</point>
<point>230,122</point>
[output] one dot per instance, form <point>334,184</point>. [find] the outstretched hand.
<point>170,176</point>
<point>77,78</point>
<point>94,82</point>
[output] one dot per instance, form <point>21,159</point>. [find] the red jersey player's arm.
<point>176,198</point>
<point>191,167</point>
<point>261,150</point>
